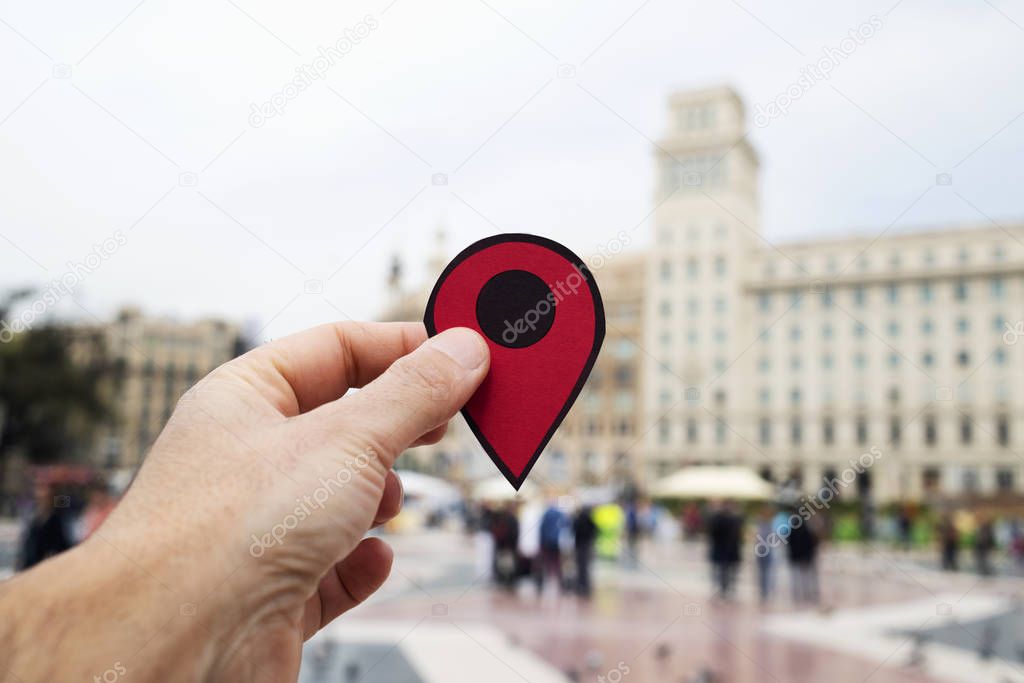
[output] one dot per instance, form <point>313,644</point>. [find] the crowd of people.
<point>53,522</point>
<point>549,545</point>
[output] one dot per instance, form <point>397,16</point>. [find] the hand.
<point>242,534</point>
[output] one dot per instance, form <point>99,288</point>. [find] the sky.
<point>141,126</point>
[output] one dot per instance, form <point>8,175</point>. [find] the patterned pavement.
<point>657,622</point>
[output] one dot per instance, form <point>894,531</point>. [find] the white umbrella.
<point>713,482</point>
<point>418,486</point>
<point>497,489</point>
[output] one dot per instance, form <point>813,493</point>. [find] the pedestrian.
<point>584,533</point>
<point>984,543</point>
<point>45,533</point>
<point>480,522</point>
<point>764,552</point>
<point>904,527</point>
<point>632,533</point>
<point>949,544</point>
<point>724,530</point>
<point>802,545</point>
<point>505,530</point>
<point>552,523</point>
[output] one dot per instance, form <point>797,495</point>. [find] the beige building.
<point>795,359</point>
<point>154,361</point>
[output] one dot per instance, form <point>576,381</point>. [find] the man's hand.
<point>243,532</point>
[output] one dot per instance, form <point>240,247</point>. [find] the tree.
<point>51,388</point>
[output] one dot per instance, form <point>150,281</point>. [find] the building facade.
<point>153,362</point>
<point>797,359</point>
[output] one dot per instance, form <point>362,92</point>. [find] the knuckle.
<point>426,379</point>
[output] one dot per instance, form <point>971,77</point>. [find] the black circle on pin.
<point>515,309</point>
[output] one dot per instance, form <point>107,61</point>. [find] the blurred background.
<point>799,454</point>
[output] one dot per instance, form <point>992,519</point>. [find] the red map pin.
<point>538,307</point>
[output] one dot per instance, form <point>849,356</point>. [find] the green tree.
<point>51,388</point>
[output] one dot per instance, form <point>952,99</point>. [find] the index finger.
<point>305,370</point>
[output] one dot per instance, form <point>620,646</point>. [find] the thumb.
<point>419,392</point>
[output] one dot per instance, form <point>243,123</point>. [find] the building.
<point>602,436</point>
<point>153,362</point>
<point>797,359</point>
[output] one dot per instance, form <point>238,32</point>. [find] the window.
<point>691,430</point>
<point>720,304</point>
<point>1004,479</point>
<point>795,362</point>
<point>794,333</point>
<point>894,360</point>
<point>693,305</point>
<point>999,357</point>
<point>719,266</point>
<point>794,397</point>
<point>859,296</point>
<point>794,298</point>
<point>666,270</point>
<point>895,431</point>
<point>765,364</point>
<point>892,293</point>
<point>826,299</point>
<point>960,290</point>
<point>927,326</point>
<point>858,329</point>
<point>1003,430</point>
<point>828,431</point>
<point>827,361</point>
<point>691,268</point>
<point>665,309</point>
<point>826,331</point>
<point>927,292</point>
<point>969,477</point>
<point>766,431</point>
<point>931,435</point>
<point>764,301</point>
<point>928,359</point>
<point>860,361</point>
<point>862,431</point>
<point>664,431</point>
<point>720,433</point>
<point>893,328</point>
<point>963,325</point>
<point>796,432</point>
<point>966,429</point>
<point>765,396</point>
<point>963,359</point>
<point>998,288</point>
<point>963,255</point>
<point>999,324</point>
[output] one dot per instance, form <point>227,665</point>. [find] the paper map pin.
<point>538,307</point>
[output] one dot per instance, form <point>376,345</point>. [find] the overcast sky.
<point>107,104</point>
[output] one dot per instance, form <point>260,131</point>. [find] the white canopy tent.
<point>701,481</point>
<point>418,486</point>
<point>497,489</point>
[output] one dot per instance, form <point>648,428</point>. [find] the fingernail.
<point>462,345</point>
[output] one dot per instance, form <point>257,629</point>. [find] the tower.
<point>706,224</point>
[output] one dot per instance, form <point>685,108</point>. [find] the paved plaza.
<point>886,618</point>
